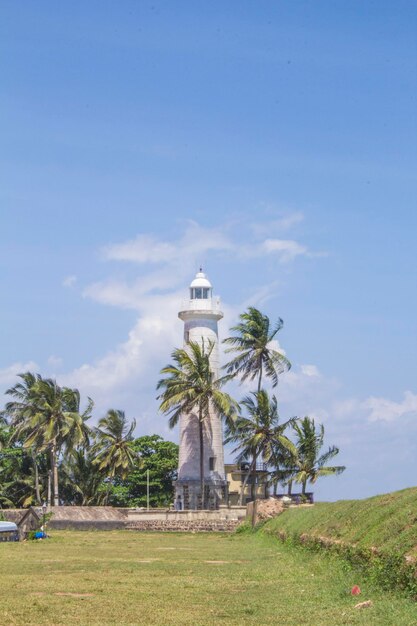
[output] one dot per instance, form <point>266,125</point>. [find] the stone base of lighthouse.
<point>188,494</point>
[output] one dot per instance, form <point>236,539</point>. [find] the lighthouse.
<point>200,314</point>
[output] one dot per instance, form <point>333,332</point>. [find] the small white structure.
<point>8,531</point>
<point>200,314</point>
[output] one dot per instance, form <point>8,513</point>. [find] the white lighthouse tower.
<point>200,314</point>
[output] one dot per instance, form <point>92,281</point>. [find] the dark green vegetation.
<point>160,458</point>
<point>48,452</point>
<point>183,579</point>
<point>378,534</point>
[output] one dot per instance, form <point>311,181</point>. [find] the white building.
<point>200,314</point>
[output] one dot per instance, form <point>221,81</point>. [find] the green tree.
<point>115,453</point>
<point>160,459</point>
<point>46,417</point>
<point>256,355</point>
<point>189,387</point>
<point>309,463</point>
<point>82,482</point>
<point>22,412</point>
<point>258,435</point>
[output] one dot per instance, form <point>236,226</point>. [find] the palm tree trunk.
<point>201,437</point>
<point>245,482</point>
<point>37,488</point>
<point>289,487</point>
<point>54,467</point>
<point>49,490</point>
<point>304,487</point>
<point>109,484</point>
<point>260,378</point>
<point>253,482</point>
<point>254,493</point>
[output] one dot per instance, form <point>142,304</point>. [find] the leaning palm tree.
<point>259,435</point>
<point>252,343</point>
<point>309,463</point>
<point>189,387</point>
<point>114,450</point>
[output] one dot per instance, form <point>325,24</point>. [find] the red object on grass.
<point>355,590</point>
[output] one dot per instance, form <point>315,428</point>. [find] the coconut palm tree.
<point>259,435</point>
<point>114,449</point>
<point>309,463</point>
<point>46,418</point>
<point>83,483</point>
<point>284,469</point>
<point>255,354</point>
<point>189,387</point>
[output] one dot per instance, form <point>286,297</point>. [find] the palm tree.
<point>284,469</point>
<point>83,482</point>
<point>255,355</point>
<point>22,411</point>
<point>189,387</point>
<point>75,431</point>
<point>310,465</point>
<point>114,449</point>
<point>46,417</point>
<point>259,434</point>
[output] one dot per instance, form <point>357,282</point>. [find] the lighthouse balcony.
<point>201,304</point>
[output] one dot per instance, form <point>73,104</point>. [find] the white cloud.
<point>310,370</point>
<point>156,295</point>
<point>8,374</point>
<point>383,409</point>
<point>283,223</point>
<point>195,242</point>
<point>286,249</point>
<point>131,368</point>
<point>55,361</point>
<point>125,376</point>
<point>275,345</point>
<point>143,249</point>
<point>69,281</point>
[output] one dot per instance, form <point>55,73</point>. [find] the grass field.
<point>129,578</point>
<point>387,522</point>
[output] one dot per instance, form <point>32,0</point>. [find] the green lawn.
<point>387,522</point>
<point>133,578</point>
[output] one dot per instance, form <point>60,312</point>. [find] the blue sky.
<point>274,142</point>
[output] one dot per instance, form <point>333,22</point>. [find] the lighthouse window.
<point>212,461</point>
<point>200,293</point>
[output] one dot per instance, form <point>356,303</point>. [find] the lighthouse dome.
<point>201,280</point>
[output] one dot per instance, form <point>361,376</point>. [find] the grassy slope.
<point>387,522</point>
<point>189,579</point>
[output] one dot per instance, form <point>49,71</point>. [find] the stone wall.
<point>265,509</point>
<point>73,524</point>
<point>224,519</point>
<point>171,525</point>
<point>235,513</point>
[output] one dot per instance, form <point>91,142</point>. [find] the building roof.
<point>7,526</point>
